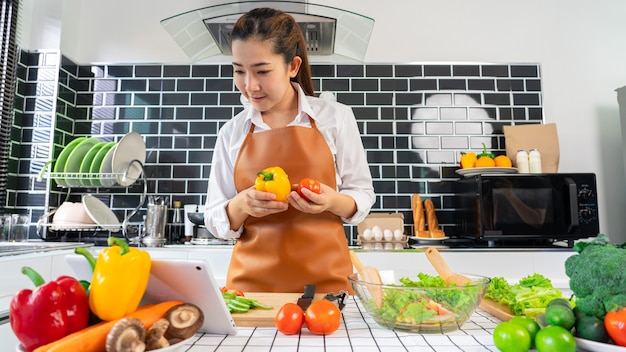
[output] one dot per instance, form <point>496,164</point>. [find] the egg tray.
<point>361,241</point>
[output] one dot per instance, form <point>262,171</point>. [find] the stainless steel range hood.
<point>332,34</point>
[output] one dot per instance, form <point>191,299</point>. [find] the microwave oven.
<point>553,207</point>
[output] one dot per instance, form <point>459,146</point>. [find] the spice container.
<point>522,162</point>
<point>534,161</point>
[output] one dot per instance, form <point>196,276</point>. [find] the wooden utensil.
<point>371,276</point>
<point>434,257</point>
<point>437,261</point>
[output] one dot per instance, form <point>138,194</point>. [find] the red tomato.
<point>311,184</point>
<point>615,324</point>
<point>231,290</point>
<point>289,319</point>
<point>322,317</point>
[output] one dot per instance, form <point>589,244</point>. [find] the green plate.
<point>106,169</point>
<point>59,165</point>
<point>85,166</point>
<point>72,165</point>
<point>96,164</point>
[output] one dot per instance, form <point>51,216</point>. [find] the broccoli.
<point>597,276</point>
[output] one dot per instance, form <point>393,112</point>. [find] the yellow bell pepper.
<point>119,280</point>
<point>468,160</point>
<point>274,179</point>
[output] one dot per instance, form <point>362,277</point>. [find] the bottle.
<point>177,226</point>
<point>522,162</point>
<point>534,161</point>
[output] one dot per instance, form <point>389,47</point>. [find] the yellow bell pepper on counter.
<point>274,179</point>
<point>119,280</point>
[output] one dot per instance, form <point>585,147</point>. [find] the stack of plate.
<point>87,162</point>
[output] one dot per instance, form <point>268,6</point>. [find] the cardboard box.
<point>391,221</point>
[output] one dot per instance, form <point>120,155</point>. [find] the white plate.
<point>176,347</point>
<point>130,147</point>
<point>592,346</point>
<point>428,239</point>
<point>101,214</point>
<point>486,171</point>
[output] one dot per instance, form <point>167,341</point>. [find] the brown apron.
<point>285,251</point>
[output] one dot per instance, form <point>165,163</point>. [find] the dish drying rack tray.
<point>93,228</point>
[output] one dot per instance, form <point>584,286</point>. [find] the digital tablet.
<point>187,280</point>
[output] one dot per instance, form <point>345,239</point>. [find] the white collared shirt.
<point>337,124</point>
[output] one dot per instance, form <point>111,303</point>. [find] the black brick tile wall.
<point>415,119</point>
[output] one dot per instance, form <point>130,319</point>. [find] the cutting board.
<point>496,309</point>
<point>265,317</point>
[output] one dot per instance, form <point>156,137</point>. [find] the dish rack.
<point>125,226</point>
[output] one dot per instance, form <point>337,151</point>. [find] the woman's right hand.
<point>258,203</point>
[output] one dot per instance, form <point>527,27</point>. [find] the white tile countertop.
<point>358,332</point>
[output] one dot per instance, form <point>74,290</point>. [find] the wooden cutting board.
<point>265,317</point>
<point>496,309</point>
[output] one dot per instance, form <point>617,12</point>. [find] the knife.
<point>305,300</point>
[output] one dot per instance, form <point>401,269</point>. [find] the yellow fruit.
<point>503,161</point>
<point>468,160</point>
<point>485,161</point>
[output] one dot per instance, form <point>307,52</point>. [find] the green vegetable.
<point>414,307</point>
<point>597,276</point>
<point>240,304</point>
<point>529,297</point>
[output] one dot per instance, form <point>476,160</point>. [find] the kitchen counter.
<point>358,331</point>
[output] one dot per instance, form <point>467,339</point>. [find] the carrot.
<point>93,338</point>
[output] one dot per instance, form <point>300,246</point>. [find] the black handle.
<point>309,291</point>
<point>573,204</point>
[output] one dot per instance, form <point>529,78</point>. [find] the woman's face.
<point>262,76</point>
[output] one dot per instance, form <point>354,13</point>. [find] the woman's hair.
<point>282,30</point>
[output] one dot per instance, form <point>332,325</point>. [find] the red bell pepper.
<point>53,310</point>
<point>615,324</point>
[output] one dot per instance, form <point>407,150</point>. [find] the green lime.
<point>510,337</point>
<point>529,324</point>
<point>561,302</point>
<point>559,315</point>
<point>591,328</point>
<point>555,339</point>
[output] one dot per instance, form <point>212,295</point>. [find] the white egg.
<point>388,246</point>
<point>398,246</point>
<point>368,246</point>
<point>376,228</point>
<point>388,235</point>
<point>378,246</point>
<point>398,235</point>
<point>378,234</point>
<point>367,234</point>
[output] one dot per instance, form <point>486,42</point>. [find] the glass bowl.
<point>420,309</point>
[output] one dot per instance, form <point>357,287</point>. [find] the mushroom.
<point>127,335</point>
<point>185,319</point>
<point>155,338</point>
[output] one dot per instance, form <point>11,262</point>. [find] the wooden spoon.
<point>371,276</point>
<point>437,261</point>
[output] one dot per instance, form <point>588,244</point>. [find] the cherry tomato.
<point>236,292</point>
<point>311,184</point>
<point>289,319</point>
<point>322,317</point>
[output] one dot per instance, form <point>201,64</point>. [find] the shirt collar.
<point>304,110</point>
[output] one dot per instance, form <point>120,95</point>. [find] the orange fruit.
<point>485,161</point>
<point>503,161</point>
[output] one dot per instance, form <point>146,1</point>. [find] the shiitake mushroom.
<point>185,320</point>
<point>155,338</point>
<point>127,335</point>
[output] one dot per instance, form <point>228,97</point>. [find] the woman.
<point>283,246</point>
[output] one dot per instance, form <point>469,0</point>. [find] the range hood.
<point>332,34</point>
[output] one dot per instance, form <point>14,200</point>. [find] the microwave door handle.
<point>573,204</point>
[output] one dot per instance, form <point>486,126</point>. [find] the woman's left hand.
<point>319,202</point>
